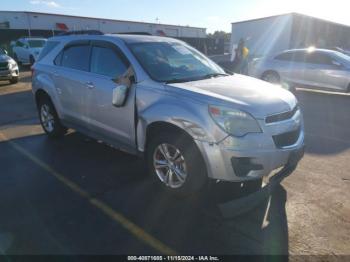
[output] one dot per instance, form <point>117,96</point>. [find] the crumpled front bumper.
<point>244,204</point>
<point>256,155</point>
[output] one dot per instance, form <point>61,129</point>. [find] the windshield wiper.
<point>180,80</point>
<point>213,75</point>
<point>183,80</point>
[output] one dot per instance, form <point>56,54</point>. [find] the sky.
<point>213,15</point>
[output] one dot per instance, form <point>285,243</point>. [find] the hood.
<point>251,95</point>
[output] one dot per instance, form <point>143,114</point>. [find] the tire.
<point>188,163</point>
<point>271,77</point>
<point>49,119</point>
<point>14,80</point>
<point>31,60</point>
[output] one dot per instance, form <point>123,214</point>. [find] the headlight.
<point>234,122</point>
<point>12,64</point>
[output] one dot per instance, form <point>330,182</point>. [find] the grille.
<point>287,139</point>
<point>4,65</point>
<point>281,116</point>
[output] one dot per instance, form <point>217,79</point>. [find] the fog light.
<point>243,165</point>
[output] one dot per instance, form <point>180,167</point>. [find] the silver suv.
<point>160,98</point>
<point>8,68</point>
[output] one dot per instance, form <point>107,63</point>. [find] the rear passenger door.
<point>291,66</point>
<point>116,124</point>
<point>71,78</point>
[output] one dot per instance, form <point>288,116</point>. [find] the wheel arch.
<point>162,126</point>
<point>39,94</point>
<point>158,127</point>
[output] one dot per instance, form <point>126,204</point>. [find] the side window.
<point>284,57</point>
<point>106,61</point>
<point>24,44</point>
<point>298,57</point>
<point>19,44</point>
<point>76,57</point>
<point>319,58</point>
<point>295,56</point>
<point>47,49</point>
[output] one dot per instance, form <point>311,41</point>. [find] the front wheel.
<point>175,162</point>
<point>49,119</point>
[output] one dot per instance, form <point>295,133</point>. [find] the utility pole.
<point>29,25</point>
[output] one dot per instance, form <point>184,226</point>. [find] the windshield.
<point>2,52</point>
<point>36,43</point>
<point>174,62</point>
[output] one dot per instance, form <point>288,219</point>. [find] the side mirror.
<point>123,84</point>
<point>120,93</point>
<point>6,52</point>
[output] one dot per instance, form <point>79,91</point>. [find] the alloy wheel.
<point>170,165</point>
<point>47,118</point>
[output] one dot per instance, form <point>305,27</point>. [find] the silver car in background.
<point>8,68</point>
<point>312,68</point>
<point>160,98</point>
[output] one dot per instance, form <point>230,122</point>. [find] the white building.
<point>14,24</point>
<point>269,35</point>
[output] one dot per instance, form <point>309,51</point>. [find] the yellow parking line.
<point>132,228</point>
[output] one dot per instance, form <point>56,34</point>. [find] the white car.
<point>26,50</point>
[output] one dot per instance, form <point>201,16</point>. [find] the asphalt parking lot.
<point>79,196</point>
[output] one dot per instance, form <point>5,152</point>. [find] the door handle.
<point>89,85</point>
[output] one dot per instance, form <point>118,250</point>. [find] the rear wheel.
<point>272,77</point>
<point>175,162</point>
<point>49,119</point>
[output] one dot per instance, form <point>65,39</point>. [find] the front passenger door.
<point>114,123</point>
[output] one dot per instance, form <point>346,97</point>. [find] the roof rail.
<point>81,32</point>
<point>27,36</point>
<point>133,33</point>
